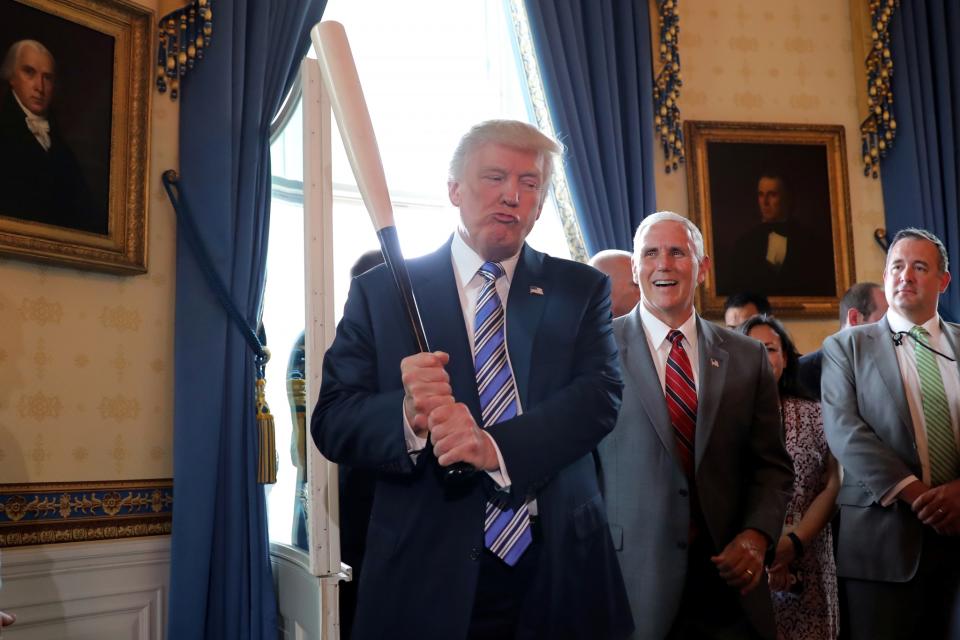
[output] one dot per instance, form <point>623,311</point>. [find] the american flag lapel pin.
<point>714,362</point>
<point>535,290</point>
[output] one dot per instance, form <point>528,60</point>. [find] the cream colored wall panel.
<point>96,590</point>
<point>777,61</point>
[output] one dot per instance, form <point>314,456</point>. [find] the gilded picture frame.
<point>772,201</point>
<point>76,194</point>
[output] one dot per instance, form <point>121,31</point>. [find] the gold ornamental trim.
<point>46,513</point>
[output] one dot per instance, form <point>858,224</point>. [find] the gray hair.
<point>669,216</point>
<point>912,233</point>
<point>13,54</point>
<point>509,133</point>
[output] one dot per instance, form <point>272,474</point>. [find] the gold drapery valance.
<point>186,29</point>
<point>665,36</point>
<point>873,66</point>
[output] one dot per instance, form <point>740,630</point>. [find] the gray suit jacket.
<point>869,429</point>
<point>744,474</point>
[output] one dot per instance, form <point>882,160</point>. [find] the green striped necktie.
<point>941,443</point>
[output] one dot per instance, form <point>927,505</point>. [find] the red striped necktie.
<point>681,395</point>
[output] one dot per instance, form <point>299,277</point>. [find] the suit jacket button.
<point>684,493</point>
<point>682,545</point>
<point>475,553</point>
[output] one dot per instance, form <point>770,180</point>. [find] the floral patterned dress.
<point>810,611</point>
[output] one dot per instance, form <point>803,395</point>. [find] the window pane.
<point>283,319</point>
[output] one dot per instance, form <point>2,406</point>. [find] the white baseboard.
<point>113,590</point>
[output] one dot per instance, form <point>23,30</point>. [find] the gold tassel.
<point>267,461</point>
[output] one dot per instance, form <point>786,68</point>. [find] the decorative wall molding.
<point>88,590</point>
<point>44,513</point>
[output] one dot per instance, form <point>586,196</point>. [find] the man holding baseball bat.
<point>522,383</point>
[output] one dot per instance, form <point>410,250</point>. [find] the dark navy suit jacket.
<point>425,537</point>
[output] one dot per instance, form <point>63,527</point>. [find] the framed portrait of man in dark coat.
<point>773,202</point>
<point>74,103</point>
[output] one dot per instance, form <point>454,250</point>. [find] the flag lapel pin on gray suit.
<point>535,290</point>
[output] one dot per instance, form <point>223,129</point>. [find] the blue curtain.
<point>596,65</point>
<point>920,174</point>
<point>220,580</point>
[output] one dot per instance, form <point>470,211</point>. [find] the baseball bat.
<point>353,119</point>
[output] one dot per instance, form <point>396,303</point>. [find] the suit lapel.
<point>438,299</point>
<point>885,360</point>
<point>712,376</point>
<point>524,311</point>
<point>952,333</point>
<point>638,364</point>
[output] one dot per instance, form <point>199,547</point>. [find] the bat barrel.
<point>356,129</point>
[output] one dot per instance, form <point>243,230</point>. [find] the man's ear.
<point>704,268</point>
<point>854,317</point>
<point>944,281</point>
<point>453,191</point>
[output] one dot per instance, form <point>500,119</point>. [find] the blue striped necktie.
<point>941,443</point>
<point>506,531</point>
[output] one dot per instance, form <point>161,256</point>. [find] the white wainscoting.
<point>110,590</point>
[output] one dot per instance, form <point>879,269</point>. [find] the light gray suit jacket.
<point>744,475</point>
<point>869,429</point>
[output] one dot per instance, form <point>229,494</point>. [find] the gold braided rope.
<point>879,129</point>
<point>184,34</point>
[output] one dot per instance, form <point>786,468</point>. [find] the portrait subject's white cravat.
<point>38,125</point>
<point>776,249</point>
<point>40,128</point>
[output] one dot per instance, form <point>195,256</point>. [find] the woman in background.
<point>803,576</point>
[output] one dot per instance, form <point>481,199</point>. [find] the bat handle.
<point>458,471</point>
<point>390,247</point>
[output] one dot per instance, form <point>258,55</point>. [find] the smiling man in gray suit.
<point>891,409</point>
<point>696,475</point>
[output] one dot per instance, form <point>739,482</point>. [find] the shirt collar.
<point>898,323</point>
<point>658,330</point>
<point>466,262</point>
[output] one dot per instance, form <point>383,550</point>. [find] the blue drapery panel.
<point>220,580</point>
<point>596,65</point>
<point>920,174</point>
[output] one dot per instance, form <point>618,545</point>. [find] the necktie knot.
<point>919,332</point>
<point>491,271</point>
<point>675,337</point>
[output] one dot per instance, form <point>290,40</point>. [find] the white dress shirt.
<point>466,264</point>
<point>906,359</point>
<point>656,332</point>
